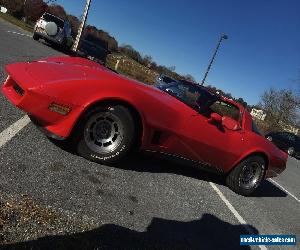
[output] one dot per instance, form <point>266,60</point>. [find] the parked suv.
<point>53,30</point>
<point>286,141</point>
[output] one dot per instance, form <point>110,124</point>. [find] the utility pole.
<point>223,37</point>
<point>81,26</point>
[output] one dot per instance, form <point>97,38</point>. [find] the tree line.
<point>282,108</point>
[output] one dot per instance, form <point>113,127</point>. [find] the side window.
<point>68,29</point>
<point>290,137</point>
<point>167,79</point>
<point>281,135</point>
<point>190,95</point>
<point>225,109</point>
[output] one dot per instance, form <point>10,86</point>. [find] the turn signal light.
<point>60,109</point>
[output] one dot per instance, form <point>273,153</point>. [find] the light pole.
<point>223,37</point>
<point>81,26</point>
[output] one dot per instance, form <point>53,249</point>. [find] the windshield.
<point>194,96</point>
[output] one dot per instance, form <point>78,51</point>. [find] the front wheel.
<point>105,134</point>
<point>247,175</point>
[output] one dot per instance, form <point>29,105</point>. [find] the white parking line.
<point>18,33</point>
<point>234,212</point>
<point>283,189</point>
<point>12,130</point>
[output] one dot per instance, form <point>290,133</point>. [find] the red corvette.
<point>106,116</point>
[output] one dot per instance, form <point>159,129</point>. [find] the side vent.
<point>156,137</point>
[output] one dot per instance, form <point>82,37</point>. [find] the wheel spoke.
<point>103,133</point>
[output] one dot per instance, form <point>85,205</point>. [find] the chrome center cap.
<point>103,130</point>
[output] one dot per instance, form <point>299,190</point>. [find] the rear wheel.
<point>105,134</point>
<point>247,175</point>
<point>35,36</point>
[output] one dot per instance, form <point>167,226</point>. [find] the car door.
<point>278,139</point>
<point>286,140</point>
<point>213,143</point>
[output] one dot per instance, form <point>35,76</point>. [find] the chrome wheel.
<point>103,133</point>
<point>291,151</point>
<point>250,174</point>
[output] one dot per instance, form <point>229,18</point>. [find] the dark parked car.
<point>94,48</point>
<point>287,142</point>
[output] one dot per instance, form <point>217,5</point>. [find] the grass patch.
<point>131,68</point>
<point>17,22</point>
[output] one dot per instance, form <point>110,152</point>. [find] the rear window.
<point>51,18</point>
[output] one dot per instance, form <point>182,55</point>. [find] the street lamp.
<point>223,37</point>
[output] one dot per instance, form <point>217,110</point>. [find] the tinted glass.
<point>192,95</point>
<point>225,109</point>
<point>291,137</point>
<point>68,28</point>
<point>298,140</point>
<point>167,79</point>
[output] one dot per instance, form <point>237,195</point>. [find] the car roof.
<point>47,13</point>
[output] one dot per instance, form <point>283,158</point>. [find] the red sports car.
<point>106,116</point>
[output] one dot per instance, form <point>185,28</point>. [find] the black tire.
<point>35,37</point>
<point>237,179</point>
<point>105,134</point>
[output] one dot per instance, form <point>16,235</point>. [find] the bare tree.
<point>15,7</point>
<point>57,10</point>
<point>281,106</point>
<point>33,9</point>
<point>189,78</point>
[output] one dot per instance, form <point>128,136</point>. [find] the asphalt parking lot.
<point>143,203</point>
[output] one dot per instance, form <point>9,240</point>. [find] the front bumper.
<point>45,131</point>
<point>29,96</point>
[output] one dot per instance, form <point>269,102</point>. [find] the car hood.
<point>60,70</point>
<point>55,69</point>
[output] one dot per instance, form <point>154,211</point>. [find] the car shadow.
<point>147,163</point>
<point>209,232</point>
<point>268,189</point>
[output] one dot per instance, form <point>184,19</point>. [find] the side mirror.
<point>230,123</point>
<point>215,118</point>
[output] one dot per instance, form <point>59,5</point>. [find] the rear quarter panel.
<point>257,144</point>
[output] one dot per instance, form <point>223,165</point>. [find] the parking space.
<point>143,202</point>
